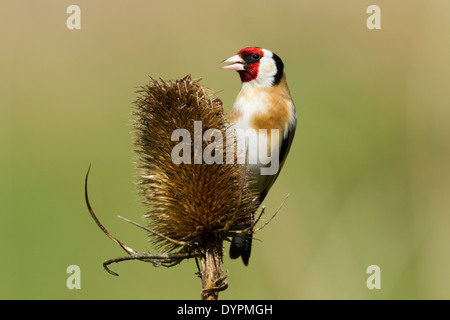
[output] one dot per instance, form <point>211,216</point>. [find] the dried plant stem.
<point>213,279</point>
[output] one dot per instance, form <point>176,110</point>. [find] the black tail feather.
<point>241,246</point>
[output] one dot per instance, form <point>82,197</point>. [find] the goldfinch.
<point>264,102</point>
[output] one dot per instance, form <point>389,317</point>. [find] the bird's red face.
<point>257,67</point>
<point>246,62</point>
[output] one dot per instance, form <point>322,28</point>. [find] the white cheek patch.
<point>267,68</point>
<point>266,73</point>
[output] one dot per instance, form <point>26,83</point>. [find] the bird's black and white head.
<point>257,67</point>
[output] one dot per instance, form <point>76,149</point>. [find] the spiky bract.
<point>187,203</point>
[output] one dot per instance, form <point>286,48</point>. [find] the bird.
<point>263,102</point>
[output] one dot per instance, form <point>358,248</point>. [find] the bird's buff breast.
<point>262,109</point>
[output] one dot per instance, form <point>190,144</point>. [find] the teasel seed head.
<point>187,203</point>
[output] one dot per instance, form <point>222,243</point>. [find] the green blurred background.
<point>368,174</point>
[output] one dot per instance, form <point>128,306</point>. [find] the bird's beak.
<point>235,63</point>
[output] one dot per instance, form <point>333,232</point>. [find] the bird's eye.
<point>256,56</point>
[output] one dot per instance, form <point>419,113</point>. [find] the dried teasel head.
<point>187,202</point>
